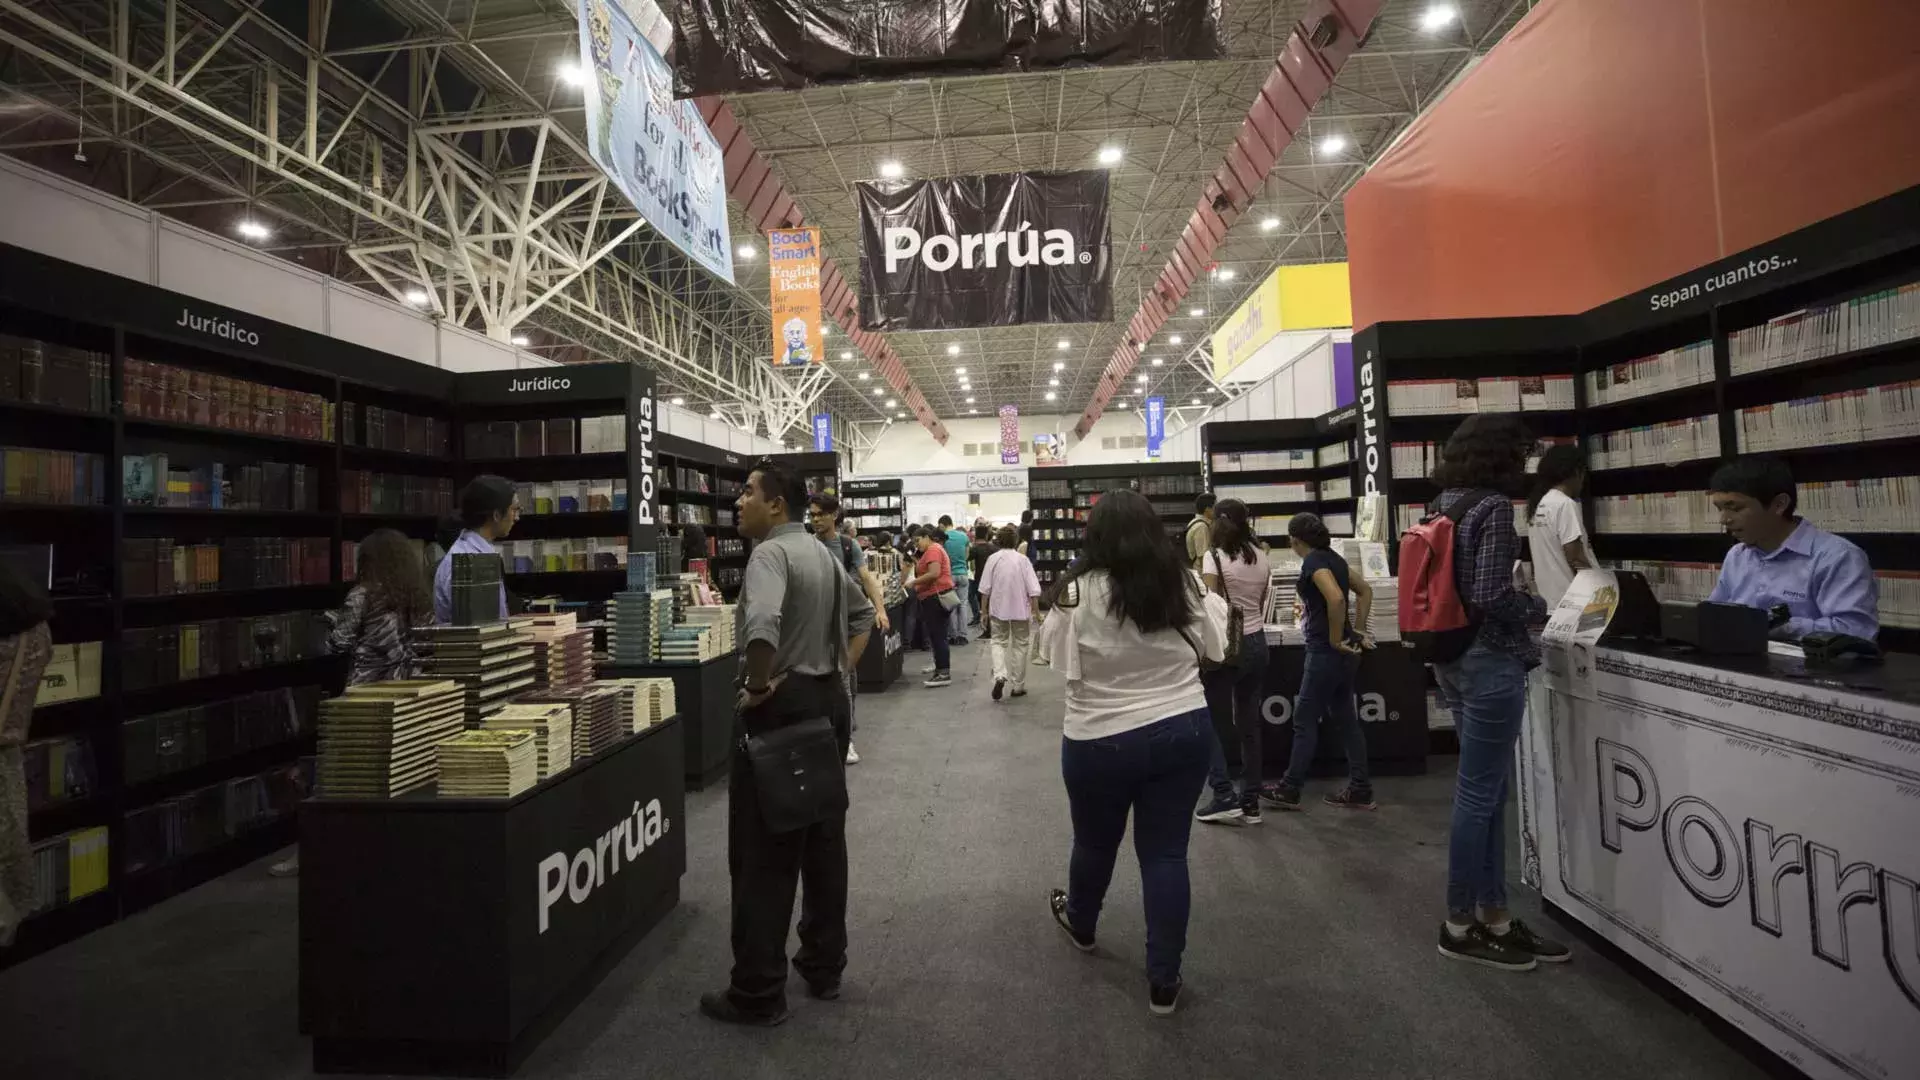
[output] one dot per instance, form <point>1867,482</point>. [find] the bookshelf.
<point>874,507</point>
<point>1283,467</point>
<point>701,484</point>
<point>1813,359</point>
<point>1061,496</point>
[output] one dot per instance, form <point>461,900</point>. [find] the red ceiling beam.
<point>751,184</point>
<point>1300,77</point>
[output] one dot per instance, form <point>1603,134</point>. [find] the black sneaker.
<point>1221,811</point>
<point>1018,693</point>
<point>1479,946</point>
<point>1521,936</point>
<point>1057,900</point>
<point>719,1005</point>
<point>1348,799</point>
<point>939,678</point>
<point>1282,797</point>
<point>1250,809</point>
<point>999,687</point>
<point>1163,1000</point>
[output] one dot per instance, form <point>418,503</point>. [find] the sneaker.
<point>1163,1000</point>
<point>930,669</point>
<point>1221,811</point>
<point>1348,799</point>
<point>1041,661</point>
<point>1057,900</point>
<point>1521,936</point>
<point>999,685</point>
<point>1282,797</point>
<point>1018,693</point>
<point>1250,809</point>
<point>719,1005</point>
<point>289,867</point>
<point>1479,946</point>
<point>939,678</point>
<point>853,755</point>
<point>957,641</point>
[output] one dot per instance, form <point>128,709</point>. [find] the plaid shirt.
<point>1484,554</point>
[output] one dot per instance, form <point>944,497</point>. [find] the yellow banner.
<point>793,264</point>
<point>1311,297</point>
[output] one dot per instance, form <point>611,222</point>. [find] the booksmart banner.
<point>793,284</point>
<point>657,150</point>
<point>1009,435</point>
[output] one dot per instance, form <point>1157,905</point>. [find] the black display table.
<point>886,655</point>
<point>704,695</point>
<point>1392,692</point>
<point>451,935</point>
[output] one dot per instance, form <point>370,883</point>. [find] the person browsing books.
<point>488,512</point>
<point>1807,579</point>
<point>1329,676</point>
<point>930,576</point>
<point>1557,535</point>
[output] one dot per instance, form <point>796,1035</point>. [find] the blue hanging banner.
<point>823,434</point>
<point>1156,425</point>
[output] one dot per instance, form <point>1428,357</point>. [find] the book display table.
<point>881,664</point>
<point>452,935</point>
<point>704,693</point>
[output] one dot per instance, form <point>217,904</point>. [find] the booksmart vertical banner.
<point>657,150</point>
<point>1009,435</point>
<point>823,434</point>
<point>793,284</point>
<point>1156,425</point>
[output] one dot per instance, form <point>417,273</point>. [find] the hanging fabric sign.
<point>1009,435</point>
<point>823,434</point>
<point>1156,425</point>
<point>996,250</point>
<point>793,277</point>
<point>657,150</point>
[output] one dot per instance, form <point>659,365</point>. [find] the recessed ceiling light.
<point>1157,361</point>
<point>1196,312</point>
<point>1196,401</point>
<point>1051,395</point>
<point>1333,144</point>
<point>1269,224</point>
<point>864,376</point>
<point>573,74</point>
<point>1175,339</point>
<point>1109,155</point>
<point>253,230</point>
<point>679,401</point>
<point>418,297</point>
<point>522,340</point>
<point>1438,16</point>
<point>953,350</point>
<point>1063,343</point>
<point>892,170</point>
<point>1140,379</point>
<point>958,370</point>
<point>1053,382</point>
<point>846,354</point>
<point>1059,366</point>
<point>1225,273</point>
<point>891,403</point>
<point>746,251</point>
<point>969,401</point>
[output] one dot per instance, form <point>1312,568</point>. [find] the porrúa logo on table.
<point>1021,246</point>
<point>217,327</point>
<point>1372,708</point>
<point>545,382</point>
<point>575,877</point>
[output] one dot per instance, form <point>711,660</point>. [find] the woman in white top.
<point>1236,568</point>
<point>1126,633</point>
<point>1557,534</point>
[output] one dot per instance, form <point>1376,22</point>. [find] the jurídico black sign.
<point>997,250</point>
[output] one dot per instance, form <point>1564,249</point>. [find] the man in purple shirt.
<point>488,511</point>
<point>1808,579</point>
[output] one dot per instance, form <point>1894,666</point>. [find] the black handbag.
<point>799,769</point>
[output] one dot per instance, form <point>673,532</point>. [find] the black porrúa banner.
<point>985,251</point>
<point>729,46</point>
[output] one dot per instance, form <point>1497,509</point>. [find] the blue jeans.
<point>1155,772</point>
<point>1490,690</point>
<point>1326,693</point>
<point>1233,700</point>
<point>957,618</point>
<point>933,615</point>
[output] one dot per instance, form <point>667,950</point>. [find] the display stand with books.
<point>874,507</point>
<point>1062,495</point>
<point>700,485</point>
<point>1283,467</point>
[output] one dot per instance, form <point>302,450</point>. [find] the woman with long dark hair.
<point>1236,568</point>
<point>1126,635</point>
<point>1556,531</point>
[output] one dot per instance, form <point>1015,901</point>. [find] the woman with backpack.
<point>1235,567</point>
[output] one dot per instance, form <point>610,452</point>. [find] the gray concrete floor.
<point>1311,951</point>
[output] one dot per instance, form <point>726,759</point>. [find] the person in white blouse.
<point>1126,634</point>
<point>1556,532</point>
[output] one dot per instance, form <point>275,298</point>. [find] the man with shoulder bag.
<point>801,622</point>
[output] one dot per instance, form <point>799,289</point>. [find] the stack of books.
<point>488,764</point>
<point>718,618</point>
<point>596,714</point>
<point>689,645</point>
<point>1283,574</point>
<point>476,590</point>
<point>491,663</point>
<point>377,740</point>
<point>562,650</point>
<point>638,621</point>
<point>1368,560</point>
<point>643,571</point>
<point>647,701</point>
<point>552,726</point>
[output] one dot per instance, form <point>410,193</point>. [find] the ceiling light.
<point>1196,312</point>
<point>969,401</point>
<point>1053,382</point>
<point>1140,379</point>
<point>418,297</point>
<point>679,401</point>
<point>1196,401</point>
<point>899,416</point>
<point>1063,343</point>
<point>1137,390</point>
<point>573,74</point>
<point>253,230</point>
<point>953,350</point>
<point>1269,224</point>
<point>1175,339</point>
<point>1438,16</point>
<point>1059,367</point>
<point>973,412</point>
<point>1333,144</point>
<point>713,415</point>
<point>1109,155</point>
<point>1157,361</point>
<point>891,403</point>
<point>1225,273</point>
<point>746,251</point>
<point>846,354</point>
<point>877,391</point>
<point>1051,395</point>
<point>522,340</point>
<point>958,370</point>
<point>864,376</point>
<point>892,170</point>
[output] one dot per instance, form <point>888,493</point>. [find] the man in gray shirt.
<point>801,621</point>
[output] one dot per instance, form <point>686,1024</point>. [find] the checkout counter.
<point>1746,829</point>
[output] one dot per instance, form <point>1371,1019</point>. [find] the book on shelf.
<point>72,673</point>
<point>1887,411</point>
<point>1256,460</point>
<point>66,868</point>
<point>1299,491</point>
<point>52,477</point>
<point>179,739</point>
<point>156,391</point>
<point>1664,443</point>
<point>45,373</point>
<point>1809,334</point>
<point>1655,512</point>
<point>59,771</point>
<point>161,655</point>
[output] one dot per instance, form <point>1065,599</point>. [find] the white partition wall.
<point>1302,387</point>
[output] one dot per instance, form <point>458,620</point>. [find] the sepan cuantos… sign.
<point>1001,250</point>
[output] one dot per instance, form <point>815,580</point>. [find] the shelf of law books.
<point>1061,496</point>
<point>874,507</point>
<point>700,485</point>
<point>1283,467</point>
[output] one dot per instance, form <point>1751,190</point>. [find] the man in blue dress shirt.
<point>1783,563</point>
<point>488,511</point>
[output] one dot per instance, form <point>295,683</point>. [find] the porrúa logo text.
<point>220,328</point>
<point>590,867</point>
<point>545,382</point>
<point>1024,246</point>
